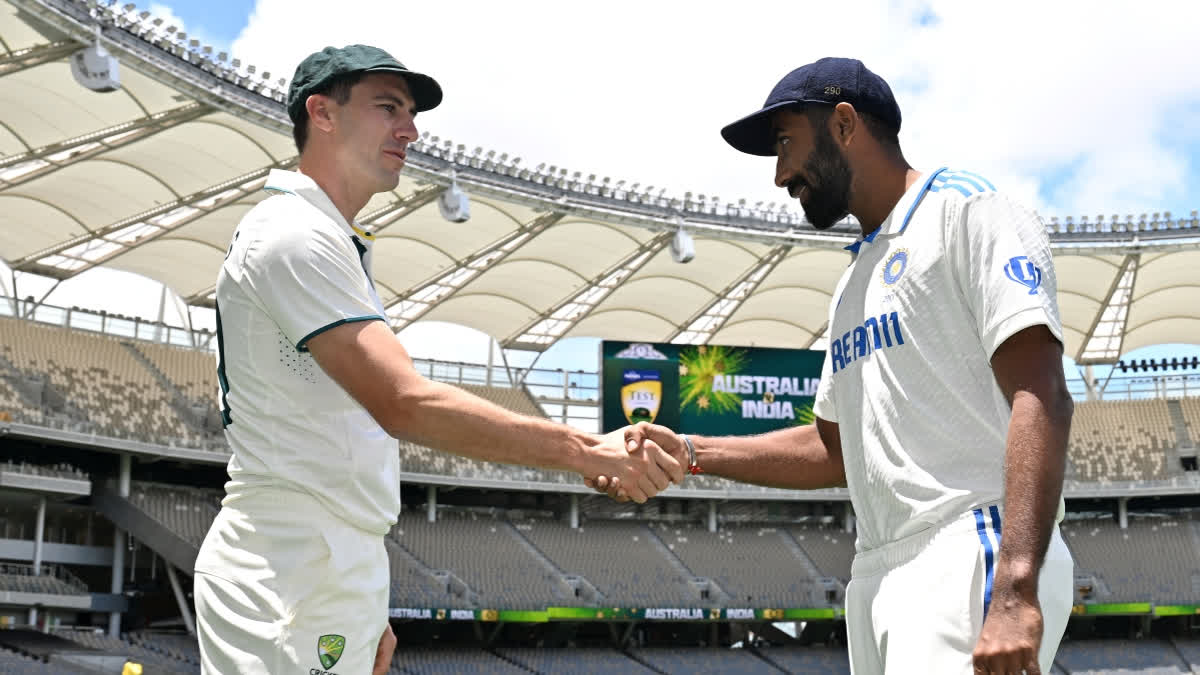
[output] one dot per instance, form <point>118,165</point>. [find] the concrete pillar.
<point>33,617</point>
<point>712,515</point>
<point>574,512</point>
<point>38,536</point>
<point>118,564</point>
<point>848,518</point>
<point>431,504</point>
<point>1123,512</point>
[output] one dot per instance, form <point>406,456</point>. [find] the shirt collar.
<point>296,183</point>
<point>897,221</point>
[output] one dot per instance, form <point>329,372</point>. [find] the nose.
<point>406,131</point>
<point>783,174</point>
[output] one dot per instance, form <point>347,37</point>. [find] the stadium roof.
<point>152,179</point>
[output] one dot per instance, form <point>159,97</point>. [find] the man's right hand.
<point>636,469</point>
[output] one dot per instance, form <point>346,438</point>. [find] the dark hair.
<point>888,137</point>
<point>338,88</point>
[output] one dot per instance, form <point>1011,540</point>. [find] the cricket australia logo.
<point>1021,270</point>
<point>329,649</point>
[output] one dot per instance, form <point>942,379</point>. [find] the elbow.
<point>401,417</point>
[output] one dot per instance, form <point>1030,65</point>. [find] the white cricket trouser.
<point>917,605</point>
<point>282,587</point>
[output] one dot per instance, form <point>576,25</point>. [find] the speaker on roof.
<point>454,203</point>
<point>96,69</point>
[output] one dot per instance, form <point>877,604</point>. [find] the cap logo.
<point>833,90</point>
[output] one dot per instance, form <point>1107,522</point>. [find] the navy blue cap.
<point>828,81</point>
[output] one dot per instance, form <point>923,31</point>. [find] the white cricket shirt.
<point>953,271</point>
<point>296,268</point>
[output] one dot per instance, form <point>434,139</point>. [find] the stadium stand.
<point>1191,415</point>
<point>808,660</point>
<point>828,546</point>
<point>186,511</point>
<point>1120,440</point>
<point>60,470</point>
<point>640,577</point>
<point>15,663</point>
<point>177,646</point>
<point>754,565</point>
<point>53,580</point>
<point>153,660</point>
<point>582,660</point>
<point>192,374</point>
<point>1110,657</point>
<point>703,661</point>
<point>89,383</point>
<point>486,554</point>
<point>1189,649</point>
<point>1154,560</point>
<point>450,661</point>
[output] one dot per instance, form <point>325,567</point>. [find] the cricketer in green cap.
<point>320,68</point>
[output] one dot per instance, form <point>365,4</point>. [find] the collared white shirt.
<point>296,268</point>
<point>955,270</point>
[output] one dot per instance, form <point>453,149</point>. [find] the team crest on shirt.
<point>329,649</point>
<point>894,268</point>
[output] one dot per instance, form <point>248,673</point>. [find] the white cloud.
<point>638,90</point>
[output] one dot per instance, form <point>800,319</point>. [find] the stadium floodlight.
<point>683,247</point>
<point>94,68</point>
<point>453,203</point>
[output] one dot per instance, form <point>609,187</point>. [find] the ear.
<point>319,113</point>
<point>844,123</point>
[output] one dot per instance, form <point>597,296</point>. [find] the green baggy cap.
<point>319,68</point>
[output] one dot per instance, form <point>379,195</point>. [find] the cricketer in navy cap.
<point>819,173</point>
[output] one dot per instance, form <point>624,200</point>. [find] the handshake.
<point>636,462</point>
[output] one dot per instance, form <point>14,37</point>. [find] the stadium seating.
<point>177,646</point>
<point>14,663</point>
<point>808,660</point>
<point>451,661</point>
<point>581,660</point>
<point>1191,416</point>
<point>754,565</point>
<point>153,659</point>
<point>828,546</point>
<point>103,388</point>
<point>716,661</point>
<point>1112,657</point>
<point>1120,440</point>
<point>187,511</point>
<point>641,576</point>
<point>486,554</point>
<point>60,470</point>
<point>1154,560</point>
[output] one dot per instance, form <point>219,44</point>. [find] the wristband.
<point>693,468</point>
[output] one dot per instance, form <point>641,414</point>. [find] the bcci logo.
<point>895,266</point>
<point>1021,270</point>
<point>329,649</point>
<point>641,394</point>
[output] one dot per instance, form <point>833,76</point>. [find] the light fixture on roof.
<point>683,247</point>
<point>454,203</point>
<point>96,69</point>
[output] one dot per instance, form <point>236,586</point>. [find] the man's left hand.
<point>385,651</point>
<point>1011,636</point>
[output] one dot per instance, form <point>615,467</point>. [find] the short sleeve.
<point>823,405</point>
<point>1001,258</point>
<point>309,279</point>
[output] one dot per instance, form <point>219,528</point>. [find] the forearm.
<point>794,458</point>
<point>1035,460</point>
<point>447,418</point>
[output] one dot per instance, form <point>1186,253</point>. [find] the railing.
<point>53,571</point>
<point>116,325</point>
<point>570,396</point>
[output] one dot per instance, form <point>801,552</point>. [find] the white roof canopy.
<point>153,178</point>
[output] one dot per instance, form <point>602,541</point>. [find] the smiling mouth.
<point>799,189</point>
